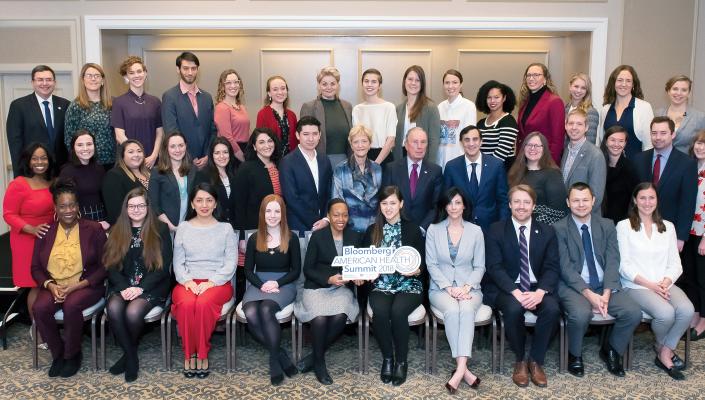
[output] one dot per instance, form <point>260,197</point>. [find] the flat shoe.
<point>672,372</point>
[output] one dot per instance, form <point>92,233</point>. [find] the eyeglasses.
<point>232,83</point>
<point>137,207</point>
<point>93,76</point>
<point>533,76</point>
<point>534,146</point>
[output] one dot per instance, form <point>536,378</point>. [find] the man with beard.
<point>189,110</point>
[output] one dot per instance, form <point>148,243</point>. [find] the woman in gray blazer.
<point>687,119</point>
<point>417,111</point>
<point>455,255</point>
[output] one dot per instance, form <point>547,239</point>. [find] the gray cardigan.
<point>208,252</point>
<point>693,122</point>
<point>469,265</point>
<point>429,120</point>
<point>314,108</point>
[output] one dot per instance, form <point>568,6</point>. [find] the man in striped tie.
<point>522,261</point>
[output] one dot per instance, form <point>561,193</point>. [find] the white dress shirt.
<point>478,168</point>
<point>527,235</point>
<point>41,101</point>
<point>312,165</point>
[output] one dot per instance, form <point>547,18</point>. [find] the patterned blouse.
<point>698,227</point>
<point>95,120</point>
<point>396,282</point>
<point>134,268</point>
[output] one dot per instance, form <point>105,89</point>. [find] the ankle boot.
<point>386,373</point>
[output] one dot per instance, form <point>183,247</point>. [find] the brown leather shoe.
<point>538,377</point>
<point>521,374</point>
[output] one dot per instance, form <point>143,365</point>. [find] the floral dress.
<point>396,282</point>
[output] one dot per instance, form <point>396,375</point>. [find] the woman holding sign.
<point>455,257</point>
<point>394,296</point>
<point>327,301</point>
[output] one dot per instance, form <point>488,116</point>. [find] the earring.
<point>56,218</point>
<point>79,214</point>
<point>269,98</point>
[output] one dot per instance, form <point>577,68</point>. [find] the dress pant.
<point>458,319</point>
<point>77,301</point>
<point>548,313</point>
<point>692,282</point>
<point>196,316</point>
<point>671,317</point>
<point>390,318</point>
<point>578,312</point>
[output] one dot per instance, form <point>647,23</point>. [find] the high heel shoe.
<point>476,384</point>
<point>449,387</point>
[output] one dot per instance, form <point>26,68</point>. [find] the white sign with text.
<point>368,262</point>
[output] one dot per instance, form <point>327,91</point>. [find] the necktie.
<point>524,280</point>
<point>414,178</point>
<point>590,259</point>
<point>657,170</point>
<point>474,184</point>
<point>47,120</point>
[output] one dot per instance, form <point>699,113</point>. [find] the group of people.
<point>518,214</point>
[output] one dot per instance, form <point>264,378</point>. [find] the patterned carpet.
<point>250,381</point>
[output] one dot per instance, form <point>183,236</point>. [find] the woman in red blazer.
<point>71,279</point>
<point>541,109</point>
<point>276,115</point>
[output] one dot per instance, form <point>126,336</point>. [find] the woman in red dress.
<point>28,209</point>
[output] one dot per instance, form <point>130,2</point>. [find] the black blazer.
<point>502,258</point>
<point>320,254</point>
<point>25,124</point>
<point>164,193</point>
<point>621,181</point>
<point>226,204</point>
<point>677,188</point>
<point>116,184</point>
<point>410,236</point>
<point>252,184</point>
<point>421,209</point>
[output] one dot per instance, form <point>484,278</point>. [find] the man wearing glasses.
<point>38,117</point>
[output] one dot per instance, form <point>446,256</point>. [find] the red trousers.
<point>196,316</point>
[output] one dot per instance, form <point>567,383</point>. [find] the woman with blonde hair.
<point>230,114</point>
<point>688,120</point>
<point>277,116</point>
<point>580,90</point>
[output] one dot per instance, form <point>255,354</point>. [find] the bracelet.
<point>47,282</point>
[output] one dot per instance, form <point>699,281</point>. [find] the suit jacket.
<point>253,176</point>
<point>502,258</point>
<point>116,184</point>
<point>226,204</point>
<point>677,188</point>
<point>589,167</point>
<point>92,239</point>
<point>420,209</point>
<point>305,205</point>
<point>469,265</point>
<point>164,193</point>
<point>320,253</point>
<point>430,120</point>
<point>490,204</point>
<point>572,254</point>
<point>315,109</point>
<point>547,117</point>
<point>26,124</point>
<point>178,115</point>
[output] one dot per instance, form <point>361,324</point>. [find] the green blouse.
<point>95,120</point>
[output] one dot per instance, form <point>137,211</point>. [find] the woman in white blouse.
<point>456,112</point>
<point>377,115</point>
<point>649,266</point>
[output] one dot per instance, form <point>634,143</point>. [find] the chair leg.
<point>360,345</point>
<point>21,294</point>
<point>630,353</point>
<point>94,340</point>
<point>686,362</point>
<point>494,344</point>
<point>234,332</point>
<point>366,346</point>
<point>168,343</point>
<point>427,365</point>
<point>228,343</point>
<point>293,337</point>
<point>501,346</point>
<point>562,357</point>
<point>102,340</point>
<point>35,343</point>
<point>164,339</point>
<point>434,344</point>
<point>300,332</point>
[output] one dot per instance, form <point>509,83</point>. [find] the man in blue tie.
<point>589,286</point>
<point>521,257</point>
<point>38,117</point>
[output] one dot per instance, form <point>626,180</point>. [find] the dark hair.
<point>467,130</point>
<point>164,162</point>
<point>609,132</point>
<point>662,119</point>
<point>699,137</point>
<point>251,154</point>
<point>62,185</point>
<point>455,73</point>
<point>73,158</point>
<point>308,120</point>
<point>421,99</point>
<point>580,186</point>
<point>610,94</point>
<point>373,71</point>
<point>212,169</point>
<point>26,157</point>
<point>377,226</point>
<point>445,198</point>
<point>43,68</point>
<point>187,56</point>
<point>518,170</point>
<point>268,87</point>
<point>510,100</point>
<point>208,188</point>
<point>633,214</point>
<point>335,201</point>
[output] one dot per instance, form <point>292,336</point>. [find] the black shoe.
<point>678,362</point>
<point>276,380</point>
<point>386,373</point>
<point>400,370</point>
<point>202,373</point>
<point>613,361</point>
<point>672,372</point>
<point>131,367</point>
<point>56,366</point>
<point>322,375</point>
<point>694,336</point>
<point>575,366</point>
<point>305,364</point>
<point>119,367</point>
<point>286,364</point>
<point>71,366</point>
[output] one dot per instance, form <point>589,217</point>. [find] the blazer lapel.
<point>37,111</point>
<point>403,172</point>
<point>579,158</point>
<point>320,161</point>
<point>577,239</point>
<point>647,164</point>
<point>307,171</point>
<point>670,166</point>
<point>534,241</point>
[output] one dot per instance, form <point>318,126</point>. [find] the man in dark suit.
<point>674,174</point>
<point>481,178</point>
<point>306,177</point>
<point>38,117</point>
<point>419,180</point>
<point>589,284</point>
<point>189,110</point>
<point>521,256</point>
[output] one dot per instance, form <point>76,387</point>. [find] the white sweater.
<point>454,117</point>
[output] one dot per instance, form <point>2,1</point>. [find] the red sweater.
<point>265,119</point>
<point>547,117</point>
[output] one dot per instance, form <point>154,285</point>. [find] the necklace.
<point>139,100</point>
